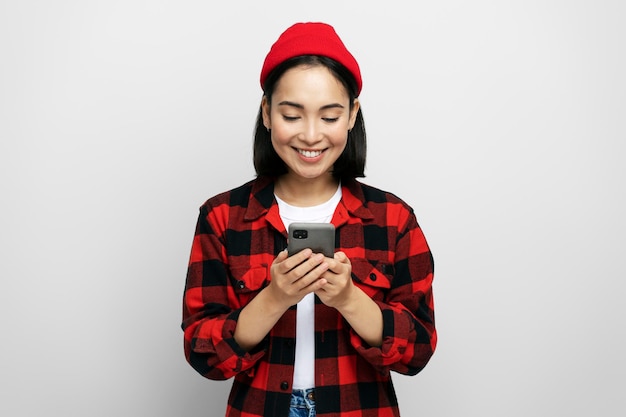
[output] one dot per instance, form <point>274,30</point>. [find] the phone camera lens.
<point>300,234</point>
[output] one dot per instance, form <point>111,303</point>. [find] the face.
<point>309,120</point>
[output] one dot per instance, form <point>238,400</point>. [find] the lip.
<point>310,155</point>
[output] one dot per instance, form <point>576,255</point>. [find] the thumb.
<point>282,255</point>
<point>341,257</point>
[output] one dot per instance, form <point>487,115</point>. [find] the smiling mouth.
<point>309,154</point>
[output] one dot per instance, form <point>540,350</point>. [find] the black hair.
<point>351,163</point>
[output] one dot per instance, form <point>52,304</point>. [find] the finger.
<point>294,260</point>
<point>341,257</point>
<point>330,277</point>
<point>308,281</point>
<point>337,267</point>
<point>310,265</point>
<point>321,287</point>
<point>312,280</point>
<point>318,285</point>
<point>282,255</point>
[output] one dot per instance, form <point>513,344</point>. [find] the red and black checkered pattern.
<point>238,235</point>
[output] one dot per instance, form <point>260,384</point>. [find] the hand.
<point>295,276</point>
<point>338,290</point>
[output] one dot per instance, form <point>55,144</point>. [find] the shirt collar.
<point>353,199</point>
<point>262,202</point>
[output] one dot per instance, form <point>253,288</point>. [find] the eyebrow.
<point>300,106</point>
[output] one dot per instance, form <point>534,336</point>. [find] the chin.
<point>321,175</point>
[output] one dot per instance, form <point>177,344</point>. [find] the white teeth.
<point>310,154</point>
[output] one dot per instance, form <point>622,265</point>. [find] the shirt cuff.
<point>395,334</point>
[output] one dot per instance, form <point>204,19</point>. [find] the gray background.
<point>500,122</point>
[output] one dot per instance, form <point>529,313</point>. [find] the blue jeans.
<point>302,403</point>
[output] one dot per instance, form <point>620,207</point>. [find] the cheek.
<point>280,136</point>
<point>340,138</point>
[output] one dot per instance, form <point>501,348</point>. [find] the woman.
<point>303,334</point>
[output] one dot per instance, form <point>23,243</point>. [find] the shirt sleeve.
<point>210,307</point>
<point>409,334</point>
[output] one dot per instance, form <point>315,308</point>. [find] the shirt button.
<point>284,385</point>
<point>373,276</point>
<point>241,285</point>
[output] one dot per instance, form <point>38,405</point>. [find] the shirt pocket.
<point>374,278</point>
<point>248,281</point>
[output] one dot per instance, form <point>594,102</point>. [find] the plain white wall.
<point>501,122</point>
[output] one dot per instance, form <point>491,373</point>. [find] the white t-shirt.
<point>304,368</point>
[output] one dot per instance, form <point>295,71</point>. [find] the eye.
<point>330,119</point>
<point>290,118</point>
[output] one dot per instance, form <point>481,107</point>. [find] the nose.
<point>312,132</point>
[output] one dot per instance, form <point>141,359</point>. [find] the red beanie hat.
<point>310,38</point>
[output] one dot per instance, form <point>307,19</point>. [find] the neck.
<point>301,192</point>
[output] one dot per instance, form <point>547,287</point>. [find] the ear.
<point>265,112</point>
<point>355,110</point>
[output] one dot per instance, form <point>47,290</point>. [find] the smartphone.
<point>319,237</point>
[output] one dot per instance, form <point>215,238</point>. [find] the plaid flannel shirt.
<point>238,235</point>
